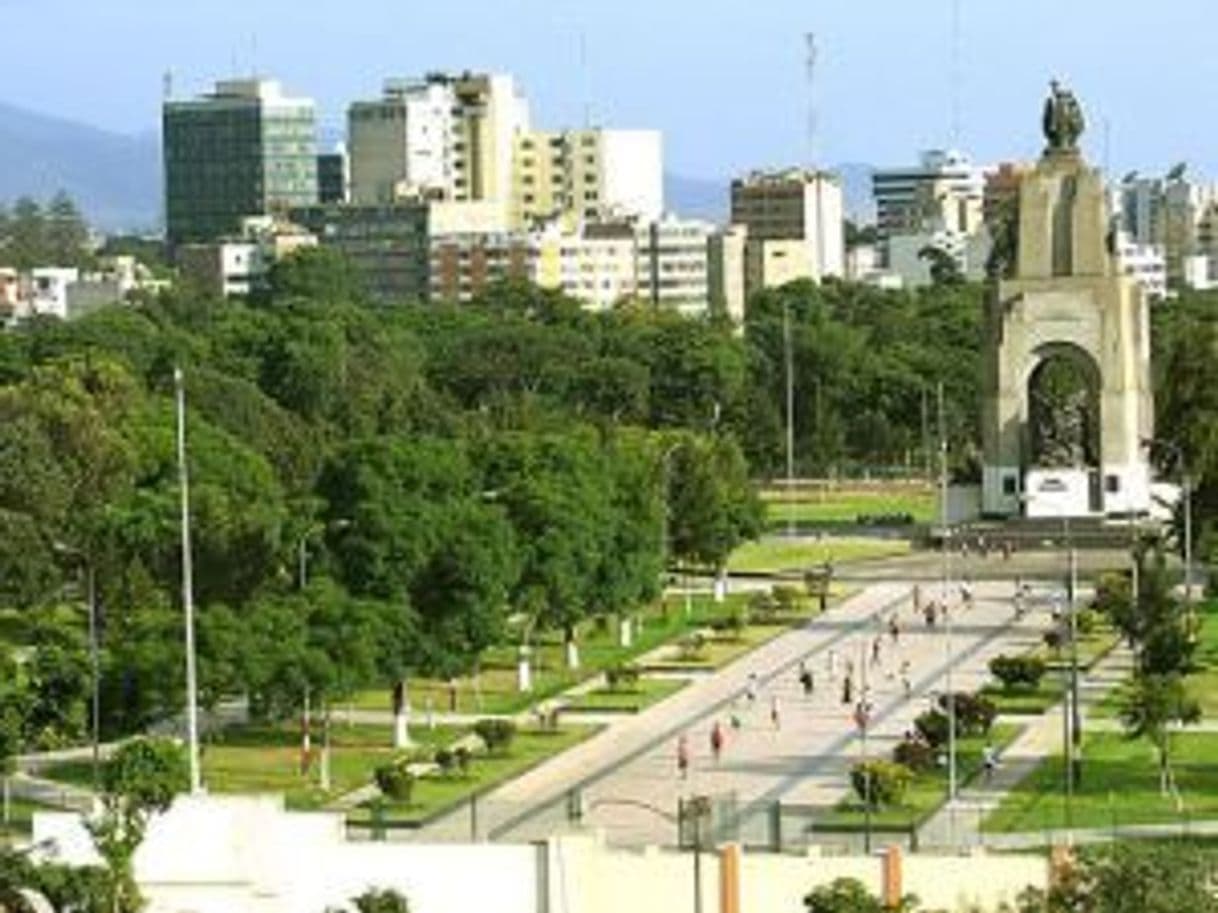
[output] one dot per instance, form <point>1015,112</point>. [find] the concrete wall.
<point>245,854</point>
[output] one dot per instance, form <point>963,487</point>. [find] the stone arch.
<point>1051,411</point>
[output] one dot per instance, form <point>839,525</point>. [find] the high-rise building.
<point>795,225</point>
<point>244,150</point>
<point>1175,213</point>
<point>725,272</point>
<point>943,192</point>
<point>333,176</point>
<point>587,175</point>
<point>445,137</point>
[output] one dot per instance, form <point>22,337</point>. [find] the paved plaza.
<point>627,776</point>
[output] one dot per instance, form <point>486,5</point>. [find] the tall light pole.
<point>945,537</point>
<point>789,363</point>
<point>188,599</point>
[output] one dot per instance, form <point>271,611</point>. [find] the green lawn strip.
<point>778,555</point>
<point>628,699</point>
<point>846,506</point>
<point>1119,785</point>
<point>1091,649</point>
<point>266,759</point>
<point>1024,701</point>
<point>436,794</point>
<point>928,790</point>
<point>598,646</point>
<point>21,818</point>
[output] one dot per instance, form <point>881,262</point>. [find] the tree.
<point>1152,706</point>
<point>848,895</point>
<point>316,273</point>
<point>944,270</point>
<point>713,506</point>
<point>66,234</point>
<point>138,782</point>
<point>381,900</point>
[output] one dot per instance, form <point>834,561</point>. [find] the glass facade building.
<point>244,150</point>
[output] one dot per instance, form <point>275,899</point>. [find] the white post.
<point>625,632</point>
<point>192,702</point>
<point>401,718</point>
<point>524,669</point>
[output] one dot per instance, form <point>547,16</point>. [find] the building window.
<point>1112,484</point>
<point>1010,485</point>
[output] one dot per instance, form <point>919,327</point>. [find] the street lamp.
<point>789,367</point>
<point>695,809</point>
<point>94,664</point>
<point>188,597</point>
<point>945,539</point>
<point>666,464</point>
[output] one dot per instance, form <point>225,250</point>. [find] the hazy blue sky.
<point>723,79</point>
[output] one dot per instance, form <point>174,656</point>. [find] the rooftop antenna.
<point>811,53</point>
<point>957,74</point>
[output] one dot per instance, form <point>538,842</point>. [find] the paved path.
<point>803,760</point>
<point>960,824</point>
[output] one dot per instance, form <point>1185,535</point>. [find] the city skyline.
<point>875,60</point>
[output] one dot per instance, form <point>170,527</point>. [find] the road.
<point>627,775</point>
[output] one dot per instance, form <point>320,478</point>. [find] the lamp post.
<point>94,662</point>
<point>945,533</point>
<point>188,599</point>
<point>789,368</point>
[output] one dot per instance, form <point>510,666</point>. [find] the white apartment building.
<point>674,256</point>
<point>943,192</point>
<point>402,144</point>
<point>1177,214</point>
<point>725,271</point>
<point>1147,263</point>
<point>445,136</point>
<point>795,226</point>
<point>587,175</point>
<point>600,264</point>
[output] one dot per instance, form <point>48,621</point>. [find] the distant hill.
<point>114,178</point>
<point>697,198</point>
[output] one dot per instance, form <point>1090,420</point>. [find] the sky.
<point>724,79</point>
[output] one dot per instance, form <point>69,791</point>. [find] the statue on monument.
<point>1061,429</point>
<point>1062,121</point>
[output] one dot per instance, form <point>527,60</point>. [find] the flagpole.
<point>188,600</point>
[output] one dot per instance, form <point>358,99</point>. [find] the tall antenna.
<point>957,74</point>
<point>810,73</point>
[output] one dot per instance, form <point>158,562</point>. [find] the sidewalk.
<point>960,824</point>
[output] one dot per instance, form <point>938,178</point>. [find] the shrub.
<point>1086,621</point>
<point>932,726</point>
<point>446,760</point>
<point>1018,671</point>
<point>763,604</point>
<point>880,783</point>
<point>692,646</point>
<point>395,780</point>
<point>1053,639</point>
<point>496,734</point>
<point>914,753</point>
<point>621,677</point>
<point>731,624</point>
<point>974,713</point>
<point>463,757</point>
<point>787,598</point>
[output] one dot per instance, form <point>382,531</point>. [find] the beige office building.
<point>587,175</point>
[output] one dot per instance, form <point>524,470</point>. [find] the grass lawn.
<point>21,819</point>
<point>1026,701</point>
<point>1091,649</point>
<point>266,759</point>
<point>435,794</point>
<point>1119,786</point>
<point>598,646</point>
<point>773,555</point>
<point>928,790</point>
<point>845,505</point>
<point>636,697</point>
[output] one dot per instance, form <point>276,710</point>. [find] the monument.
<point>1067,390</point>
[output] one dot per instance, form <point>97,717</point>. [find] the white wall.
<point>632,166</point>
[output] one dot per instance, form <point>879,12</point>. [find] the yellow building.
<point>586,175</point>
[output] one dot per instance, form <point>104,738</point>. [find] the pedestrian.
<point>832,664</point>
<point>875,650</point>
<point>983,548</point>
<point>1006,549</point>
<point>917,598</point>
<point>716,740</point>
<point>774,717</point>
<point>750,688</point>
<point>806,681</point>
<point>966,594</point>
<point>905,682</point>
<point>894,629</point>
<point>683,757</point>
<point>847,690</point>
<point>989,761</point>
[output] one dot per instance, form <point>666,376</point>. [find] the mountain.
<point>697,198</point>
<point>114,178</point>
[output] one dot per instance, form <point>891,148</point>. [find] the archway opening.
<point>1064,410</point>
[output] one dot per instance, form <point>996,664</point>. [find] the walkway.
<point>806,758</point>
<point>959,824</point>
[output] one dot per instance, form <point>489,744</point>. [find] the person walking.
<point>832,664</point>
<point>805,680</point>
<point>847,690</point>
<point>905,681</point>
<point>750,688</point>
<point>775,719</point>
<point>683,757</point>
<point>894,629</point>
<point>716,740</point>
<point>989,761</point>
